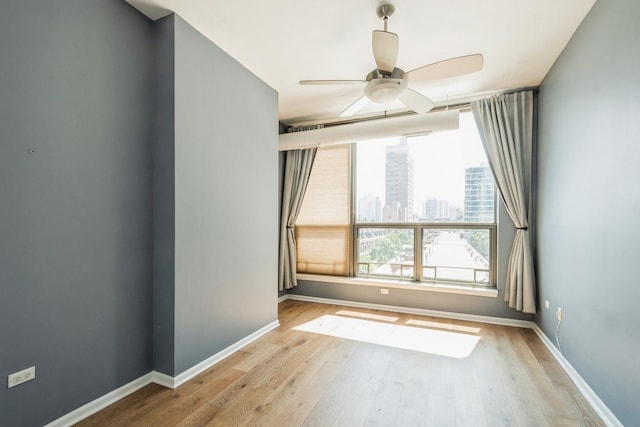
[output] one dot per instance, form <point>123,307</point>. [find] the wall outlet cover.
<point>21,377</point>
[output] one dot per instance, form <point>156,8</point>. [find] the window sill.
<point>400,284</point>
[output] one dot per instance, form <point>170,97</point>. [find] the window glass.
<point>456,255</point>
<point>442,177</point>
<point>385,252</point>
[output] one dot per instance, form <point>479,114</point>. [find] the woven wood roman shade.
<point>323,229</point>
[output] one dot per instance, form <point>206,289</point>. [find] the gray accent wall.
<point>138,201</point>
<point>164,198</point>
<point>225,212</point>
<point>427,300</point>
<point>75,214</point>
<point>588,203</point>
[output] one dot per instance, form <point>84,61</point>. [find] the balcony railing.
<point>378,269</point>
<point>434,273</point>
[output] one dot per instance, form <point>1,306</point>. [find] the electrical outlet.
<point>546,304</point>
<point>21,377</point>
<point>559,314</point>
<point>384,291</point>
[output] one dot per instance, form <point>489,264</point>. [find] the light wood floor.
<point>454,373</point>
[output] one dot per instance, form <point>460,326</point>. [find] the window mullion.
<point>417,253</point>
<point>353,268</point>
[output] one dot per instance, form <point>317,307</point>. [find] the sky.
<point>439,162</point>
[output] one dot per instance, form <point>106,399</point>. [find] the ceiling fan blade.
<point>416,101</point>
<point>385,50</point>
<point>331,82</point>
<point>448,68</point>
<point>355,107</point>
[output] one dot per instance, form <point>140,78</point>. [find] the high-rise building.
<point>443,209</point>
<point>370,208</point>
<point>479,194</point>
<point>399,179</point>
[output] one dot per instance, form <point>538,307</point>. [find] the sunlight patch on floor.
<point>438,342</point>
<point>367,316</point>
<point>439,325</point>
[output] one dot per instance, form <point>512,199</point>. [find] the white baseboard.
<point>596,403</point>
<point>165,380</point>
<point>591,397</point>
<point>162,379</point>
<point>100,403</point>
<point>418,311</point>
<point>173,382</point>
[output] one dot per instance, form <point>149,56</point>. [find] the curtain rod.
<point>462,106</point>
<point>465,106</point>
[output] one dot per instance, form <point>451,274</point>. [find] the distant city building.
<point>430,208</point>
<point>455,213</point>
<point>393,213</point>
<point>370,208</point>
<point>443,209</point>
<point>399,179</point>
<point>434,209</point>
<point>479,197</point>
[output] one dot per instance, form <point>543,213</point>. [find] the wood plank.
<point>559,381</point>
<point>261,353</point>
<point>362,392</point>
<point>522,396</point>
<point>336,394</point>
<point>385,407</point>
<point>128,408</point>
<point>412,410</point>
<point>292,402</point>
<point>441,410</point>
<point>467,396</point>
<point>246,395</point>
<point>487,367</point>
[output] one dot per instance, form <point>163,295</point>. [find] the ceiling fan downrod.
<point>384,12</point>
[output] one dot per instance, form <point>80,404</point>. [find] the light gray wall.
<point>589,200</point>
<point>226,200</point>
<point>479,305</point>
<point>75,229</point>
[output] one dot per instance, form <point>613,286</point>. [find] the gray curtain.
<point>506,129</point>
<point>298,166</point>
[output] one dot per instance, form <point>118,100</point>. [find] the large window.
<point>419,209</point>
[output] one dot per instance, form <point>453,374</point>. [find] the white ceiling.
<point>284,41</point>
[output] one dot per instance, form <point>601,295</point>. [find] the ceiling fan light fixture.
<point>386,90</point>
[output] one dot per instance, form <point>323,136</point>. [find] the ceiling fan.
<point>387,83</point>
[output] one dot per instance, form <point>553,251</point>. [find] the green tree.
<point>479,240</point>
<point>386,248</point>
<point>382,250</point>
